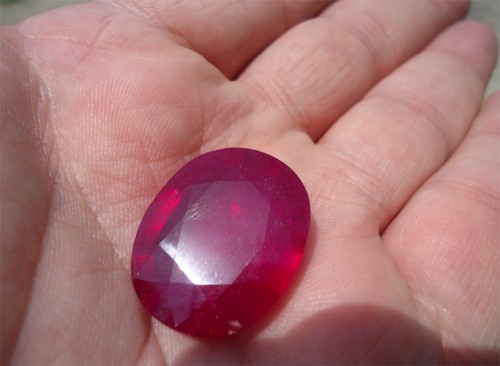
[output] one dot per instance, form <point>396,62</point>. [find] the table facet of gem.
<point>221,242</point>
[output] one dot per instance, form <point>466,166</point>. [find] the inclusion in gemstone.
<point>221,242</point>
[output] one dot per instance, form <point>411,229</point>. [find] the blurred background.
<point>14,11</point>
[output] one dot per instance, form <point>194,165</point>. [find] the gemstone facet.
<point>221,242</point>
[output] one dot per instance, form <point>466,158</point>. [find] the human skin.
<point>377,106</point>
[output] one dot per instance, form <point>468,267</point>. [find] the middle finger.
<point>316,71</point>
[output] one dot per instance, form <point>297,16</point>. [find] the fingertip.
<point>472,41</point>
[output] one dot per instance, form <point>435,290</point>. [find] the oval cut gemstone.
<point>221,242</point>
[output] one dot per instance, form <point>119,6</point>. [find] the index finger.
<point>227,33</point>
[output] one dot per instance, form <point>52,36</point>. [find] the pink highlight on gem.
<point>236,210</point>
<point>221,242</point>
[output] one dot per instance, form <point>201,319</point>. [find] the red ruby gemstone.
<point>221,242</point>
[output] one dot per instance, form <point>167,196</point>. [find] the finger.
<point>408,125</point>
<point>228,34</point>
<point>317,70</point>
<point>445,241</point>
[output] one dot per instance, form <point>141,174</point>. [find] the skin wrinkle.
<point>91,46</point>
<point>430,117</point>
<point>225,138</point>
<point>347,164</point>
<point>242,117</point>
<point>139,13</point>
<point>107,268</point>
<point>363,228</point>
<point>242,104</point>
<point>472,191</point>
<point>173,31</point>
<point>208,119</point>
<point>95,218</point>
<point>298,116</point>
<point>364,40</point>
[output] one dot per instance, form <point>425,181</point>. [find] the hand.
<point>375,105</point>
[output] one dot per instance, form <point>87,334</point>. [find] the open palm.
<point>375,105</point>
